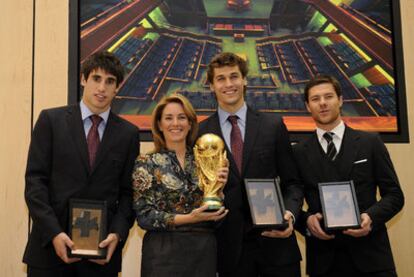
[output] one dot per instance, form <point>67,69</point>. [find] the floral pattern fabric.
<point>162,189</point>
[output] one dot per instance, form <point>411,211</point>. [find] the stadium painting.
<point>166,46</point>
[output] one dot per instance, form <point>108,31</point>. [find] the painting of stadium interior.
<point>166,46</point>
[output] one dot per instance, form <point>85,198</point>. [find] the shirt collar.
<point>189,154</point>
<point>241,113</point>
<point>86,112</point>
<point>338,131</point>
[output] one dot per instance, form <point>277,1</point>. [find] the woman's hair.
<point>158,136</point>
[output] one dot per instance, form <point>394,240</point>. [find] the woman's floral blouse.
<point>162,189</point>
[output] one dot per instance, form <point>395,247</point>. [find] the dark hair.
<point>106,61</point>
<point>322,79</point>
<point>158,136</point>
<point>226,59</point>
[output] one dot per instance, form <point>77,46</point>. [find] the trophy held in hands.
<point>210,155</point>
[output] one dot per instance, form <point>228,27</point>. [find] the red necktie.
<point>93,138</point>
<point>236,141</point>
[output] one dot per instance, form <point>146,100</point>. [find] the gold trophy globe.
<point>210,155</point>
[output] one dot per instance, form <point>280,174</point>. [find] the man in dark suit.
<point>258,147</point>
<point>82,151</point>
<point>345,154</point>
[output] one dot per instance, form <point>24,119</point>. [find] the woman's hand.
<point>200,215</point>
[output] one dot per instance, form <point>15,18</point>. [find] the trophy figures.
<point>210,155</point>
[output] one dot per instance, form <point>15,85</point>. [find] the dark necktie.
<point>236,141</point>
<point>331,150</point>
<point>93,138</point>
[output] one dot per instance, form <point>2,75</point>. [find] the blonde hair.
<point>158,136</point>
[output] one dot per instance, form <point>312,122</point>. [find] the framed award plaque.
<point>266,203</point>
<point>339,205</point>
<point>87,228</point>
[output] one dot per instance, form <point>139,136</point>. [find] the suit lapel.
<point>214,127</point>
<point>350,147</point>
<point>252,129</point>
<point>107,139</point>
<point>77,132</point>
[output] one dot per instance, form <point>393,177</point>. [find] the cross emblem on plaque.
<point>85,223</point>
<point>262,202</point>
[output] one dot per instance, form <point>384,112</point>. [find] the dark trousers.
<point>252,264</point>
<point>343,266</point>
<point>78,269</point>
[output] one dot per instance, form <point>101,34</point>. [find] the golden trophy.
<point>210,155</point>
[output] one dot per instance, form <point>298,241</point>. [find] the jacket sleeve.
<point>37,177</point>
<point>291,185</point>
<point>392,198</point>
<point>124,217</point>
<point>149,215</point>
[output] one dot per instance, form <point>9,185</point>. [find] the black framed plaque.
<point>87,228</point>
<point>266,203</point>
<point>339,205</point>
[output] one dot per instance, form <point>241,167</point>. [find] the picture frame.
<point>266,204</point>
<point>87,228</point>
<point>339,205</point>
<point>374,92</point>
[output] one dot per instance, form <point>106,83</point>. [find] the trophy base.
<point>214,203</point>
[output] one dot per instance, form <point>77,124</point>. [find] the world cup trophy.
<point>210,155</point>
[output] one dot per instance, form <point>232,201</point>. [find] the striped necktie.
<point>331,149</point>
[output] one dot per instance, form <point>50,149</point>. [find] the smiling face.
<point>228,85</point>
<point>325,106</point>
<point>99,90</point>
<point>174,125</point>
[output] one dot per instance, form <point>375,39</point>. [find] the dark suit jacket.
<point>58,169</point>
<point>370,253</point>
<point>266,154</point>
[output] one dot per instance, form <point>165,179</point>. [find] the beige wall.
<point>50,83</point>
<point>15,117</point>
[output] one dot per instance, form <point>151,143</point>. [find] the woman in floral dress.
<point>180,237</point>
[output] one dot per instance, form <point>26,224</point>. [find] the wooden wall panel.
<point>51,54</point>
<point>15,118</point>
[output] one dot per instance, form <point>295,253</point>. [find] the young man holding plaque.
<point>85,152</point>
<point>257,146</point>
<point>336,153</point>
